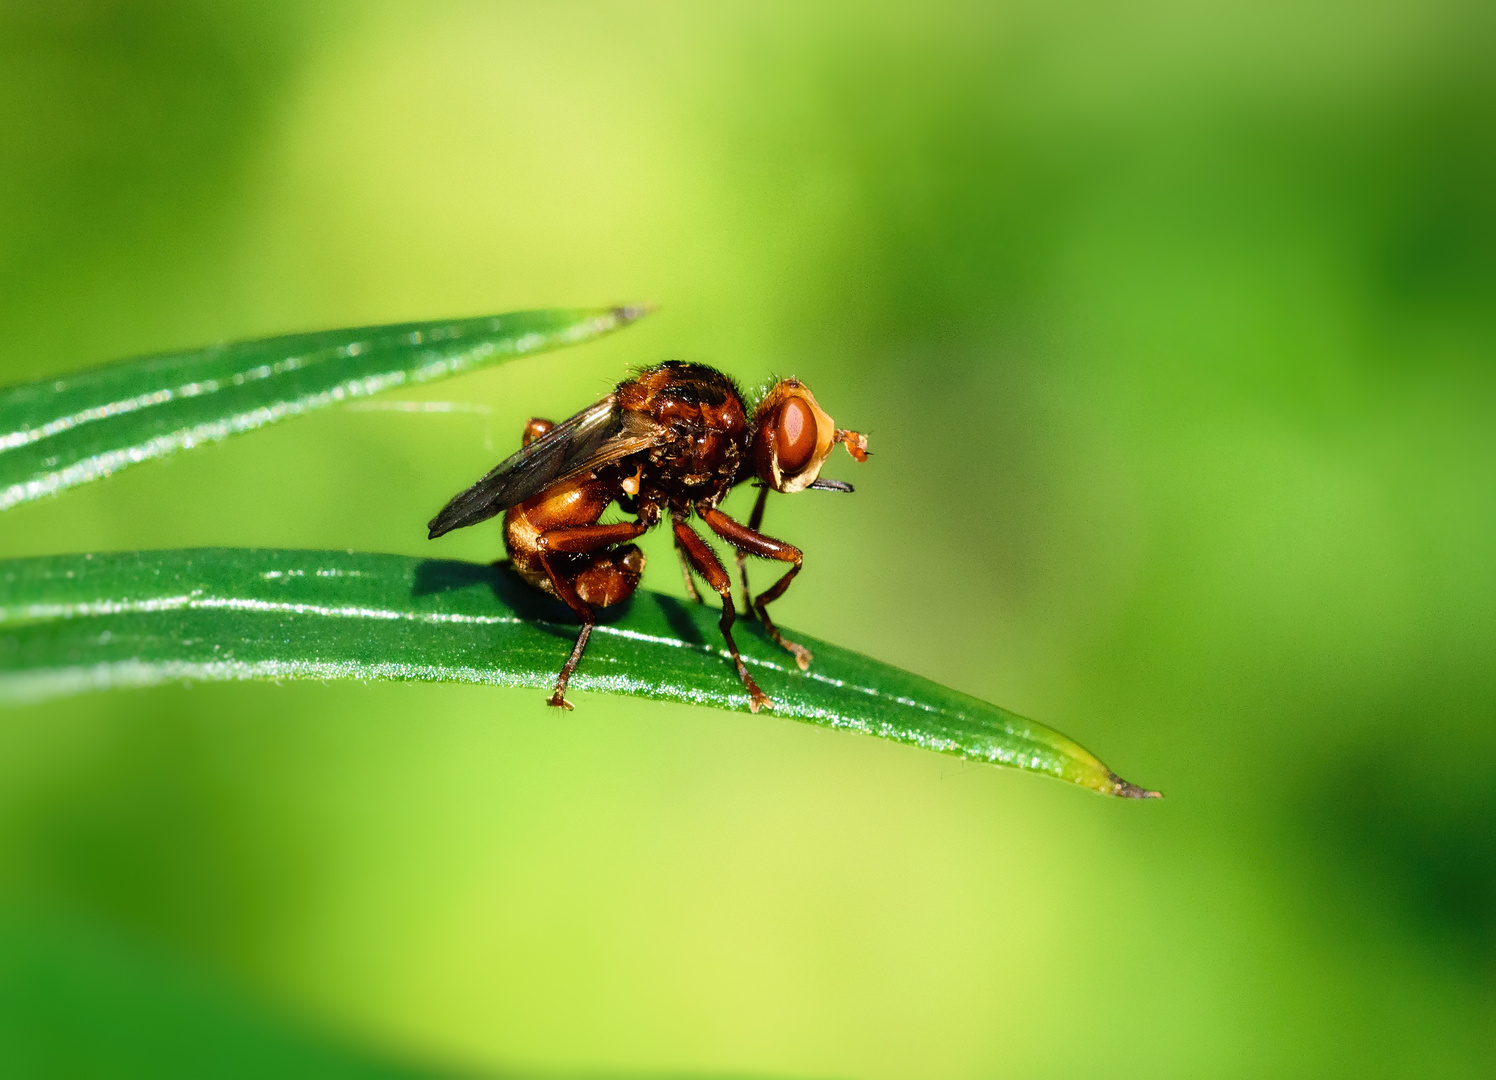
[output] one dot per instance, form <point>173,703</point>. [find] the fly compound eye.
<point>795,436</point>
<point>791,437</point>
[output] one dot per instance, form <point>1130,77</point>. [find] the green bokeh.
<point>1173,327</point>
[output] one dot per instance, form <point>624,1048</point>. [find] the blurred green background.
<point>1173,327</point>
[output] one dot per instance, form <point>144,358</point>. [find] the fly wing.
<point>592,438</point>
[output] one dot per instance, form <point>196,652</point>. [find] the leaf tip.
<point>1126,790</point>
<point>629,313</point>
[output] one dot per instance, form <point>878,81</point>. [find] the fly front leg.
<point>705,562</point>
<point>753,523</point>
<point>606,580</point>
<point>750,541</point>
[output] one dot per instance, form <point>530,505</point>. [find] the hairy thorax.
<point>706,433</point>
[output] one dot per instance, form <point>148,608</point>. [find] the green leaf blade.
<point>58,433</point>
<point>75,623</point>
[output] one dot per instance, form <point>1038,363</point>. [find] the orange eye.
<point>795,436</point>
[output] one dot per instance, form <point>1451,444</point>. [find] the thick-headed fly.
<point>673,441</point>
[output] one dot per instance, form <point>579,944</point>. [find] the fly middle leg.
<point>704,560</point>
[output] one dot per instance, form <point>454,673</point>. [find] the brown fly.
<point>671,442</point>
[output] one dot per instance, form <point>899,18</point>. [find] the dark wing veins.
<point>591,439</point>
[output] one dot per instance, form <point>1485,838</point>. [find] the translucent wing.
<point>592,438</point>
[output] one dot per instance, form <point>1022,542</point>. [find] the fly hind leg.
<point>604,579</point>
<point>535,429</point>
<point>568,593</point>
<point>610,577</point>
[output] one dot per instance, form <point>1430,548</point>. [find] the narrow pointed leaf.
<point>57,433</point>
<point>73,623</point>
